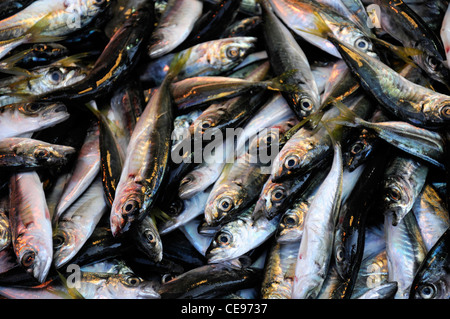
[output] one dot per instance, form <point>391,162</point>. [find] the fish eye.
<point>291,162</point>
<point>290,220</point>
<point>277,194</point>
<point>445,111</point>
<point>130,206</point>
<point>40,47</point>
<point>340,254</point>
<point>150,237</point>
<point>132,281</point>
<point>186,180</point>
<point>232,53</point>
<point>306,104</point>
<point>58,241</point>
<point>427,291</point>
<point>224,239</point>
<point>32,107</point>
<point>167,277</point>
<point>432,62</point>
<point>225,204</point>
<point>356,148</point>
<point>28,259</point>
<point>394,194</point>
<point>55,76</point>
<point>362,43</point>
<point>98,2</point>
<point>40,153</point>
<point>206,125</point>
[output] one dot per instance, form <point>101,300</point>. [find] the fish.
<point>147,158</point>
<point>74,226</point>
<point>405,252</point>
<point>286,54</point>
<point>29,153</point>
<point>404,179</point>
<point>239,236</point>
<point>30,222</point>
<point>431,215</point>
<point>430,280</point>
<point>174,26</point>
<point>85,171</point>
<point>22,118</point>
<point>148,238</point>
<point>404,25</point>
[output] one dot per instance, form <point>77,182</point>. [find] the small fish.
<point>28,153</point>
<point>148,238</point>
<point>30,224</point>
<point>431,279</point>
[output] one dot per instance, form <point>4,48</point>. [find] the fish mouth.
<point>119,225</point>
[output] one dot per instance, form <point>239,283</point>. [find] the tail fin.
<point>347,117</point>
<point>34,34</point>
<point>279,83</point>
<point>322,30</point>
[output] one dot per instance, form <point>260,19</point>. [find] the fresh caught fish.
<point>431,214</point>
<point>147,157</point>
<point>405,252</point>
<point>314,254</point>
<point>431,279</point>
<point>31,227</point>
<point>148,239</point>
<point>404,180</point>
<point>286,54</point>
<point>174,26</point>
<point>77,223</point>
<point>86,168</point>
<point>239,236</point>
<point>23,118</point>
<point>22,152</point>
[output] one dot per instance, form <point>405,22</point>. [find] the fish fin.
<point>322,30</point>
<point>157,213</point>
<point>8,65</point>
<point>278,83</point>
<point>178,62</point>
<point>72,60</point>
<point>404,53</point>
<point>72,292</point>
<point>347,117</point>
<point>34,33</point>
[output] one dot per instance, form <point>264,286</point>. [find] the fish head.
<point>291,224</point>
<point>223,246</point>
<point>233,50</point>
<point>359,151</point>
<point>127,207</point>
<point>435,66</point>
<point>272,197</point>
<point>149,239</point>
<point>127,286</point>
<point>362,43</point>
<point>64,243</point>
<point>189,184</point>
<point>290,161</point>
<point>44,153</point>
<point>431,285</point>
<point>397,199</point>
<point>47,114</point>
<point>223,202</point>
<point>36,260</point>
<point>56,77</point>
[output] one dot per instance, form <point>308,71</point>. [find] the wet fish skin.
<point>77,223</point>
<point>22,118</point>
<point>404,179</point>
<point>285,54</point>
<point>28,153</point>
<point>148,238</point>
<point>30,224</point>
<point>174,26</point>
<point>314,254</point>
<point>145,165</point>
<point>431,280</point>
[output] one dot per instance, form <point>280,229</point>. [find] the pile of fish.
<point>238,149</point>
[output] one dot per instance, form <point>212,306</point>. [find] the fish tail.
<point>8,65</point>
